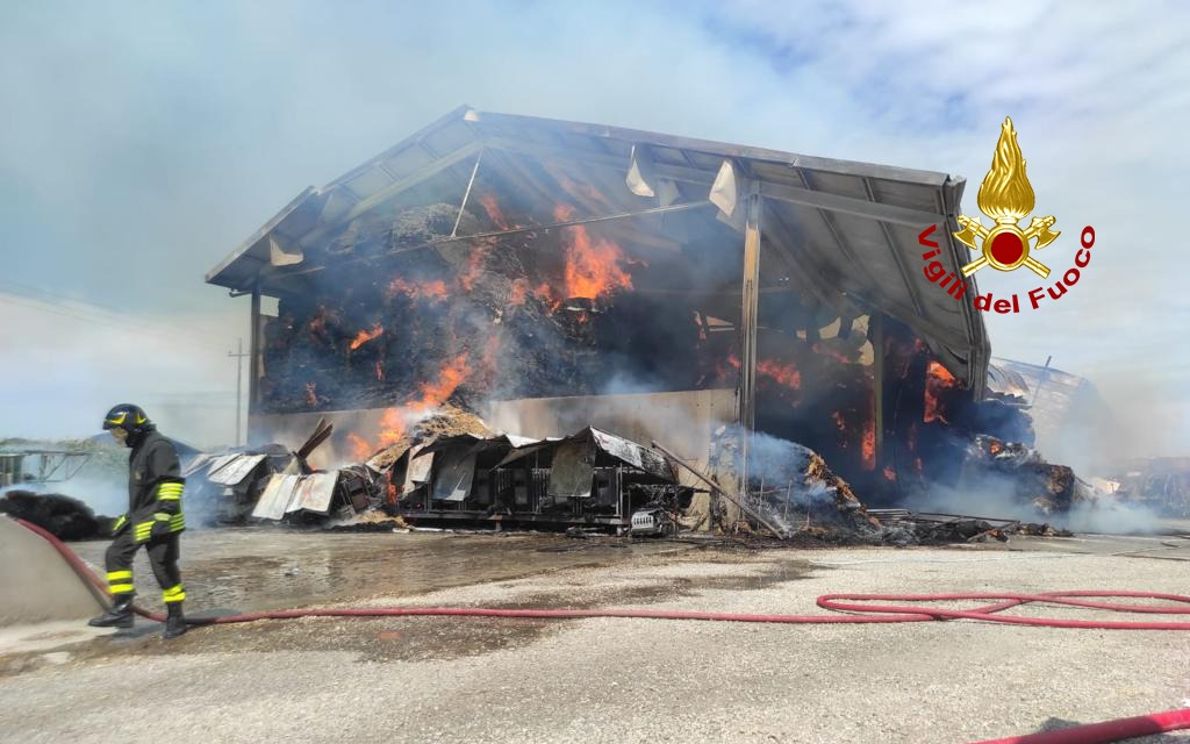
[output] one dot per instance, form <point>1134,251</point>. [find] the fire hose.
<point>1109,731</point>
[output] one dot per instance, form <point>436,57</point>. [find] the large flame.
<point>1006,193</point>
<point>592,267</point>
<point>394,422</point>
<point>364,337</point>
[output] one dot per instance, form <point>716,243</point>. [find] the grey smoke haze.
<point>141,142</point>
<point>992,496</point>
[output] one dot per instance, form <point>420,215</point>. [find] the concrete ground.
<point>624,680</point>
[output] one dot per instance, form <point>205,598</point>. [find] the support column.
<point>876,336</point>
<point>254,359</point>
<point>748,322</point>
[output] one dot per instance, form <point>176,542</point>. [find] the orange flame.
<point>518,292</point>
<point>824,350</point>
<point>434,394</point>
<point>360,449</point>
<point>312,394</point>
<point>546,294</point>
<point>435,290</point>
<point>392,427</point>
<point>394,421</point>
<point>493,209</point>
<point>592,268</point>
<point>364,337</point>
<point>868,445</point>
<point>938,379</point>
<point>783,374</point>
<point>889,473</point>
<point>475,263</point>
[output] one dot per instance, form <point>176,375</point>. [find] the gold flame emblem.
<point>1007,197</point>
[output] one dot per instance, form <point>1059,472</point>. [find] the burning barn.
<point>552,276</point>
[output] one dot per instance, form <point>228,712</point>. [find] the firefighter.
<point>154,520</point>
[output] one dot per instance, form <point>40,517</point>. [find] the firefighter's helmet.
<point>127,417</point>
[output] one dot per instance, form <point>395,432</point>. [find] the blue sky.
<point>141,142</point>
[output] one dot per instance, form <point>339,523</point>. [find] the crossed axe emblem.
<point>1005,246</point>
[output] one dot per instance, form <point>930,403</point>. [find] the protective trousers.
<point>163,557</point>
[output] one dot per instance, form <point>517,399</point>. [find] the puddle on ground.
<point>263,569</point>
<point>268,569</point>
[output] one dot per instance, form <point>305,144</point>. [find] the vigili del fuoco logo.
<point>1007,197</point>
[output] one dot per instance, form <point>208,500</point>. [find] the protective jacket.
<point>155,487</point>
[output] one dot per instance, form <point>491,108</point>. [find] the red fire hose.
<point>1109,731</point>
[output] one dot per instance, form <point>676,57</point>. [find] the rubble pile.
<point>1160,484</point>
<point>902,527</point>
<point>1048,488</point>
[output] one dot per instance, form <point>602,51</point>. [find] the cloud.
<point>67,362</point>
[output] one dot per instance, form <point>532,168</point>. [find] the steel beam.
<point>872,210</point>
<point>467,194</point>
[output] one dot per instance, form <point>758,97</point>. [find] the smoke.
<point>1111,516</point>
<point>995,496</point>
<point>624,381</point>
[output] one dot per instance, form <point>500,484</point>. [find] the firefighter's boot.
<point>119,616</point>
<point>175,622</point>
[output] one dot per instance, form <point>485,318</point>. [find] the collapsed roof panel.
<point>234,471</point>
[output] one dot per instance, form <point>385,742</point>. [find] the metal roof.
<point>838,225</point>
<point>1053,396</point>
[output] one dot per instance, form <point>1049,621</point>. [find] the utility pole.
<point>239,355</point>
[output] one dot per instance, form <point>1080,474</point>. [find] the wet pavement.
<point>263,569</point>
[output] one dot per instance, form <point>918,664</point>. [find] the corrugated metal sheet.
<point>419,468</point>
<point>314,493</point>
<point>455,473</point>
<point>573,466</point>
<point>1004,380</point>
<point>219,461</point>
<point>200,462</point>
<point>275,498</point>
<point>234,471</point>
<point>632,453</point>
<point>289,493</point>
